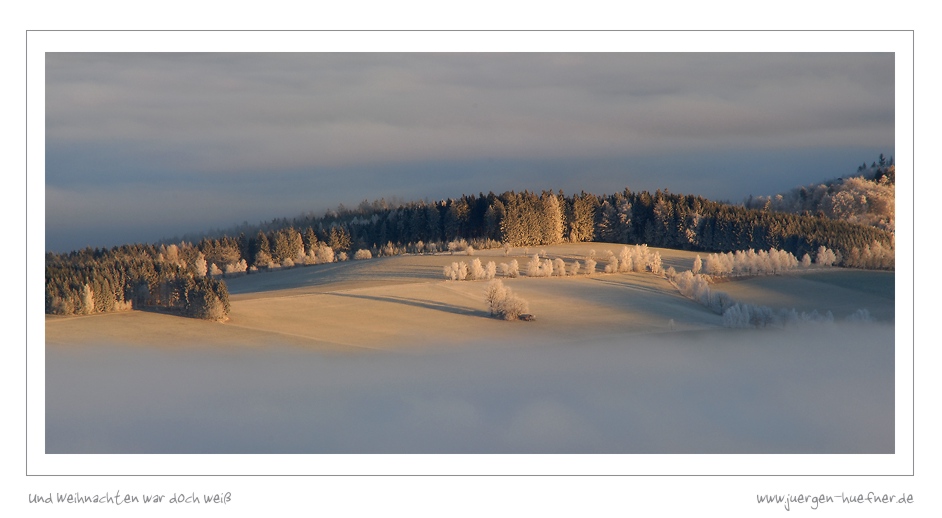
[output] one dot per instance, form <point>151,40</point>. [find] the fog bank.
<point>824,388</point>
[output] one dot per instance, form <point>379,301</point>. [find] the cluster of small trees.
<point>638,258</point>
<point>696,286</point>
<point>503,303</point>
<point>750,262</point>
<point>460,271</point>
<point>537,267</point>
<point>740,315</point>
<point>170,278</point>
<point>511,269</point>
<point>873,256</point>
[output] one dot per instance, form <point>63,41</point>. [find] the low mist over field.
<point>826,388</point>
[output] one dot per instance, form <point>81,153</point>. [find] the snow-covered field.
<point>613,363</point>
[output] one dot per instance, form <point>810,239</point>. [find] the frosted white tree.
<point>552,220</point>
<point>477,269</point>
<point>238,267</point>
<point>624,260</point>
<point>490,270</point>
<point>574,268</point>
<point>87,300</point>
<point>363,254</point>
<point>173,255</point>
<point>590,266</point>
<point>494,294</point>
<point>511,269</point>
<point>655,264</point>
<point>533,266</point>
<point>200,265</point>
<point>640,258</point>
<point>825,256</point>
<point>325,254</point>
<point>451,271</point>
<point>502,302</point>
<point>697,264</point>
<point>559,267</point>
<point>612,265</point>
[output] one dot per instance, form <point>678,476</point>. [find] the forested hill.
<point>867,197</point>
<point>186,278</point>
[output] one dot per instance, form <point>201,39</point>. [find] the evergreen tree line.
<point>161,278</point>
<point>659,219</point>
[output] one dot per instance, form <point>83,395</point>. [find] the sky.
<point>146,146</point>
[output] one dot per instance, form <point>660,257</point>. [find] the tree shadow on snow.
<point>420,303</point>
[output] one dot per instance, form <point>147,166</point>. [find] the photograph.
<point>469,253</point>
<point>469,272</point>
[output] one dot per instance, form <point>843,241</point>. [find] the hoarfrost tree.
<point>511,269</point>
<point>612,266</point>
<point>574,268</point>
<point>200,265</point>
<point>655,264</point>
<point>625,261</point>
<point>533,267</point>
<point>825,256</point>
<point>552,219</point>
<point>477,269</point>
<point>697,264</point>
<point>490,270</point>
<point>234,268</point>
<point>88,300</point>
<point>325,254</point>
<point>502,302</point>
<point>559,267</point>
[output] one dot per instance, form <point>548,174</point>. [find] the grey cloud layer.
<point>210,112</point>
<point>258,136</point>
